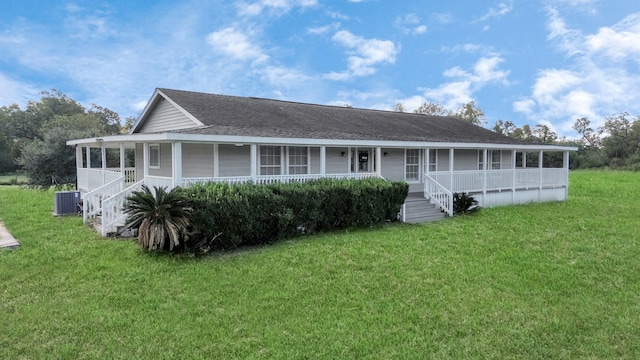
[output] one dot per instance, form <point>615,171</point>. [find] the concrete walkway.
<point>6,239</point>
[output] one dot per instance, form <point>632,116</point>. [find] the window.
<point>496,159</point>
<point>154,156</point>
<point>270,160</point>
<point>520,160</point>
<point>412,165</point>
<point>298,160</point>
<point>480,159</point>
<point>433,160</point>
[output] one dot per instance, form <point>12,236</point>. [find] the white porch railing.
<point>113,208</point>
<point>498,180</point>
<point>272,179</point>
<point>90,179</point>
<point>438,194</point>
<point>129,174</point>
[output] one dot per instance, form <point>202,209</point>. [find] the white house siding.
<point>336,163</point>
<point>392,165</point>
<point>443,160</point>
<point>165,117</point>
<point>234,160</point>
<point>465,159</point>
<point>139,162</point>
<point>197,160</point>
<point>314,166</point>
<point>165,162</point>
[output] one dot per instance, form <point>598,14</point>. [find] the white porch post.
<point>323,160</point>
<point>254,161</point>
<point>88,153</point>
<point>349,161</point>
<point>216,161</point>
<point>513,179</point>
<point>540,163</point>
<point>103,155</point>
<point>426,161</point>
<point>78,157</point>
<point>524,159</point>
<point>176,164</point>
<point>145,160</point>
<point>451,152</point>
<point>565,165</point>
<point>378,161</point>
<point>122,159</point>
<point>485,161</point>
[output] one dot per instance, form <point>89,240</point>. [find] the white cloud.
<point>465,83</point>
<point>443,18</point>
<point>275,6</point>
<point>236,44</point>
<point>410,24</point>
<point>503,9</point>
<point>597,82</point>
<point>15,92</point>
<point>320,30</point>
<point>364,55</point>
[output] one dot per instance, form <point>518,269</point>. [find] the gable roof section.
<point>163,114</point>
<point>244,116</point>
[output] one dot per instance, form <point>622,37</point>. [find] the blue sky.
<point>537,61</point>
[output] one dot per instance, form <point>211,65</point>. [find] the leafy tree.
<point>49,161</point>
<point>6,159</point>
<point>544,134</point>
<point>162,217</point>
<point>504,127</point>
<point>432,109</point>
<point>399,108</point>
<point>471,113</point>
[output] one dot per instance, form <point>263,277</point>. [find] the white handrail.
<point>92,200</point>
<point>438,194</point>
<point>113,207</point>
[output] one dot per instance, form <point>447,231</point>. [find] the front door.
<point>361,160</point>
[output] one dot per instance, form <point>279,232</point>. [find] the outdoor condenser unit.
<point>66,202</point>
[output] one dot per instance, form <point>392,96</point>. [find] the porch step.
<point>418,210</point>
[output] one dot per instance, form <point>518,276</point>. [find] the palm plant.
<point>159,216</point>
<point>464,203</point>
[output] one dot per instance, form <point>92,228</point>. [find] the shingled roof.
<point>247,116</point>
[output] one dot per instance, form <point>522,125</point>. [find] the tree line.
<point>33,139</point>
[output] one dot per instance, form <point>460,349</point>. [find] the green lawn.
<point>13,179</point>
<point>553,280</point>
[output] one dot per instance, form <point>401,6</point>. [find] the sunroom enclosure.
<point>495,176</point>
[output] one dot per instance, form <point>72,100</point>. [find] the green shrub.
<point>159,216</point>
<point>464,203</point>
<point>247,214</point>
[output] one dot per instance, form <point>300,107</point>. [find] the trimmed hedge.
<point>249,214</point>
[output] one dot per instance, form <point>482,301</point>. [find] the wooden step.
<point>418,210</point>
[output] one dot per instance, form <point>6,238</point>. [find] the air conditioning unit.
<point>66,202</point>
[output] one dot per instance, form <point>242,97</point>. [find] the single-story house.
<point>184,137</point>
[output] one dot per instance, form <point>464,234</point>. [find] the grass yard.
<point>553,280</point>
<point>13,179</point>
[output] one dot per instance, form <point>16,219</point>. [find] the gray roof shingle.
<point>246,116</point>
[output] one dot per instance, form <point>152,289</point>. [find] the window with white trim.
<point>412,165</point>
<point>154,156</point>
<point>480,159</point>
<point>496,159</point>
<point>433,160</point>
<point>298,160</point>
<point>270,160</point>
